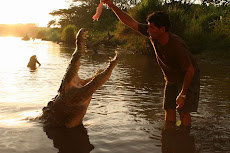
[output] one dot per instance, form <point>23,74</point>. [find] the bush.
<point>42,33</point>
<point>68,34</point>
<point>222,26</point>
<point>54,36</point>
<point>178,21</point>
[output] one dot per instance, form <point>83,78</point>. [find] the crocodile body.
<point>69,106</point>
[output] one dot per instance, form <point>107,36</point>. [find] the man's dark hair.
<point>160,19</point>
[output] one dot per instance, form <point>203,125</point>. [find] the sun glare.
<point>29,11</point>
<point>11,122</point>
<point>17,120</point>
<point>12,53</point>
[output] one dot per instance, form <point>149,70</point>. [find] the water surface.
<point>125,114</point>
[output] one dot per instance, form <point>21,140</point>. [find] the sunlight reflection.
<point>11,122</point>
<point>13,53</point>
<point>18,120</point>
<point>31,114</point>
<point>16,53</point>
<point>16,78</point>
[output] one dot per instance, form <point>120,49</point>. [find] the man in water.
<point>180,69</point>
<point>32,62</point>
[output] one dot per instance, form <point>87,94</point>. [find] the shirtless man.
<point>180,69</point>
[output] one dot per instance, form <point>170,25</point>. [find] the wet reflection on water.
<point>125,114</point>
<point>71,140</point>
<point>177,140</point>
<point>212,123</point>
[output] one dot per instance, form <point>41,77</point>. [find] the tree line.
<point>204,26</point>
<point>18,30</point>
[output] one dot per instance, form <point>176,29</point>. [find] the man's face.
<point>155,32</point>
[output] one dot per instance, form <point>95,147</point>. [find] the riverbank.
<point>215,56</point>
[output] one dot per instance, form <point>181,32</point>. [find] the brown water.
<point>125,114</point>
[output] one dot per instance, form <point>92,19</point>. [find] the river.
<point>125,114</point>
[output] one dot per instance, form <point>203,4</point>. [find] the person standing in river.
<point>180,69</point>
<point>33,61</point>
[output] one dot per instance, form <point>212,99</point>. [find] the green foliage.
<point>55,36</point>
<point>222,26</point>
<point>42,33</point>
<point>68,34</point>
<point>136,43</point>
<point>51,34</point>
<point>203,27</point>
<point>130,39</point>
<point>107,21</point>
<point>80,16</point>
<point>143,9</point>
<point>216,2</point>
<point>178,20</point>
<point>221,33</point>
<point>207,21</point>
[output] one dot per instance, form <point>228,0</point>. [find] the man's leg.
<point>169,105</point>
<point>191,101</point>
<point>170,121</point>
<point>169,131</point>
<point>169,102</point>
<point>170,115</point>
<point>185,123</point>
<point>185,119</point>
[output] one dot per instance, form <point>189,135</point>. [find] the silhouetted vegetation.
<point>68,34</point>
<point>50,34</point>
<point>18,30</point>
<point>204,26</point>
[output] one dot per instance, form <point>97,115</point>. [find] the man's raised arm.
<point>123,16</point>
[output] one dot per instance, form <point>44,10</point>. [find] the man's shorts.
<point>172,90</point>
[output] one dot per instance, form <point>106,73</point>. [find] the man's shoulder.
<point>176,41</point>
<point>176,38</point>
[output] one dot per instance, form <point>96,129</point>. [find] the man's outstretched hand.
<point>108,2</point>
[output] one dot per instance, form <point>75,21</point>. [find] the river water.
<point>125,114</point>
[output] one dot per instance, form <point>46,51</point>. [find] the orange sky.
<point>29,11</point>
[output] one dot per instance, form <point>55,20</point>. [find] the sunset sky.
<point>29,11</point>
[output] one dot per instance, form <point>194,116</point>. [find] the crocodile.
<point>69,106</point>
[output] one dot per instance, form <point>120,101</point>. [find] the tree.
<point>68,34</point>
<point>120,3</point>
<point>216,2</point>
<point>81,16</point>
<point>77,15</point>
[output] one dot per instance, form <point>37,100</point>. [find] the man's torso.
<point>173,58</point>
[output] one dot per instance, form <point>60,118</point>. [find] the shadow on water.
<point>33,69</point>
<point>70,140</point>
<point>177,142</point>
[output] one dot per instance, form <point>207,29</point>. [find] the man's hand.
<point>108,2</point>
<point>180,101</point>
